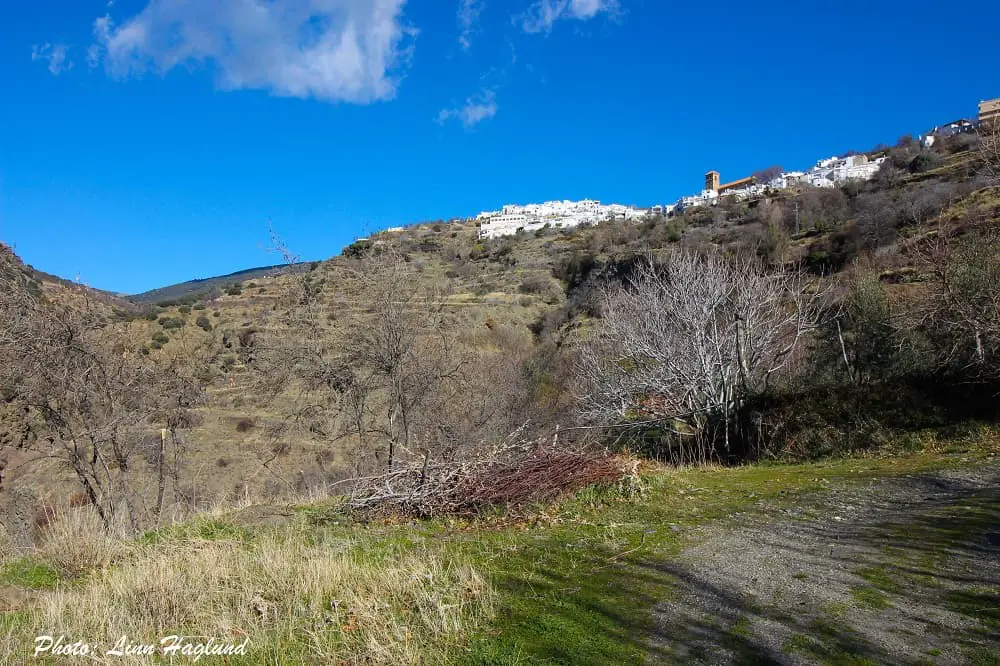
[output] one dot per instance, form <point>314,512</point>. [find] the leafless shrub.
<point>989,147</point>
<point>687,340</point>
<point>8,545</point>
<point>535,284</point>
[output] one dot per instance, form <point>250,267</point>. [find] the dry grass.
<point>8,549</point>
<point>77,543</point>
<point>297,602</point>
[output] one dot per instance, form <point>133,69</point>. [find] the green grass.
<point>880,579</point>
<point>870,598</point>
<point>30,573</point>
<point>208,529</point>
<point>983,656</point>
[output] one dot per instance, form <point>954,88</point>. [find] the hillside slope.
<point>513,308</point>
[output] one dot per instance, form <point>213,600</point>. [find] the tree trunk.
<point>161,474</point>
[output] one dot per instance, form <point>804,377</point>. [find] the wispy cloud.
<point>332,50</point>
<point>93,56</point>
<point>542,15</point>
<point>54,55</point>
<point>475,110</point>
<point>469,12</point>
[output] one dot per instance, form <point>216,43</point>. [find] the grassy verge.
<point>573,585</point>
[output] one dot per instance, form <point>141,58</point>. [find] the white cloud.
<point>475,110</point>
<point>542,15</point>
<point>333,50</point>
<point>93,56</point>
<point>468,20</point>
<point>55,55</point>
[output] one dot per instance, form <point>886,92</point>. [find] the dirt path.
<point>900,571</point>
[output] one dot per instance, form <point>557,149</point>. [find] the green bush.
<point>160,338</point>
<point>574,269</point>
<point>357,249</point>
<point>204,323</point>
<point>924,162</point>
<point>185,309</point>
<point>478,252</point>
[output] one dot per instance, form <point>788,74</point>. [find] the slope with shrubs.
<point>516,311</point>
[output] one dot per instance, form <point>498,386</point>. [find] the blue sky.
<point>146,142</point>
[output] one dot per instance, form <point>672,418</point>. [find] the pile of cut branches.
<point>513,476</point>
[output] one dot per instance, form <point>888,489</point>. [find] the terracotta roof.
<point>737,183</point>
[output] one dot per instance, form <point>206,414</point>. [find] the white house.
<point>557,214</point>
<point>827,173</point>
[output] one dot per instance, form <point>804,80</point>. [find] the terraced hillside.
<point>513,310</point>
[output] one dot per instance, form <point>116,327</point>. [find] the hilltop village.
<point>826,173</point>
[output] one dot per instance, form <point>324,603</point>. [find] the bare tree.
<point>963,311</point>
<point>381,375</point>
<point>863,331</point>
<point>687,339</point>
<point>767,175</point>
<point>82,392</point>
<point>404,343</point>
<point>989,147</point>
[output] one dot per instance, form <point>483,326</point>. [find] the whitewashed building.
<point>706,198</point>
<point>827,173</point>
<point>556,214</point>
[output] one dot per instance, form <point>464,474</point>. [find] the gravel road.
<point>895,571</point>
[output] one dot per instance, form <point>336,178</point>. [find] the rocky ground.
<point>896,571</point>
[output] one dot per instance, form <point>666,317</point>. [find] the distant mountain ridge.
<point>195,289</point>
<point>181,291</point>
<point>38,278</point>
